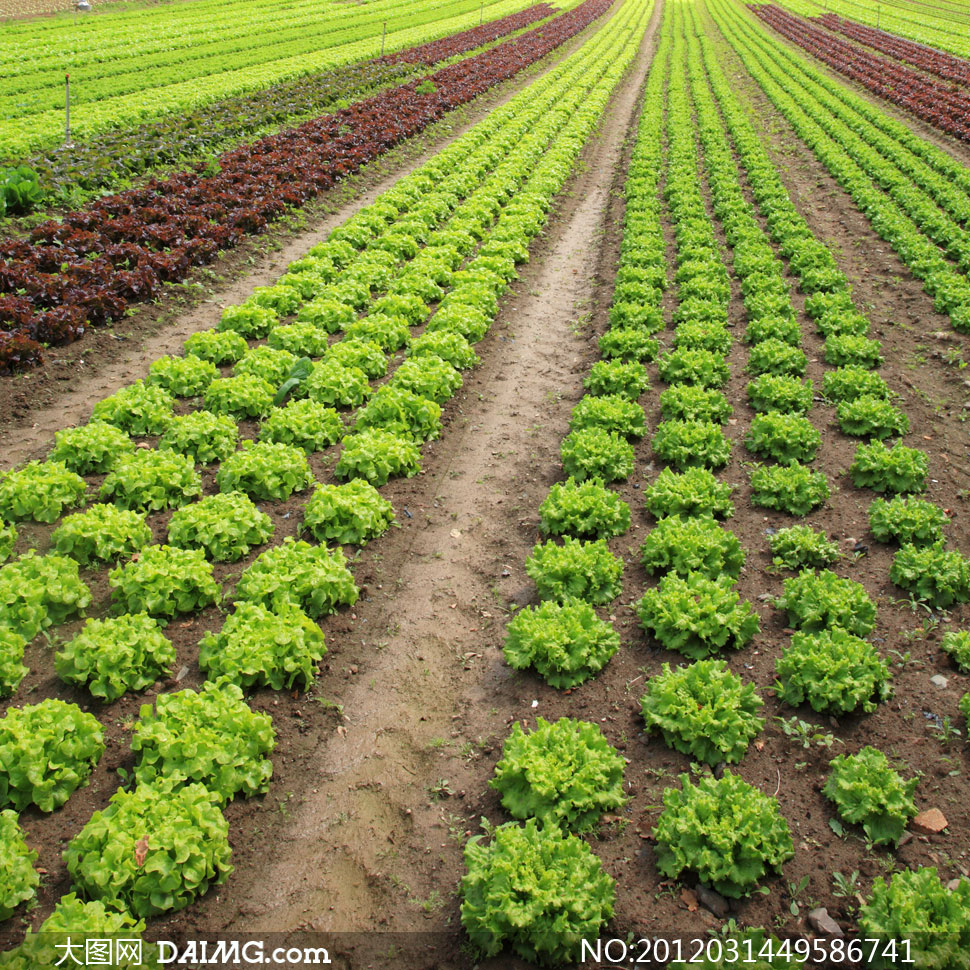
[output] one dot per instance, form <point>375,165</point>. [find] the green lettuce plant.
<point>401,412</point>
<point>774,356</point>
<point>12,669</point>
<point>725,831</point>
<point>257,646</point>
<point>703,335</point>
<point>691,402</point>
<point>785,329</point>
<point>8,539</point>
<point>365,355</point>
<point>871,417</point>
<point>780,393</point>
<point>92,448</point>
<point>152,480</point>
<point>335,384</point>
<point>20,878</point>
<point>801,547</point>
<point>567,643</point>
<point>584,510</point>
<point>249,320</point>
<point>565,773</point>
<point>851,348</point>
<point>40,491</point>
<point>218,347</point>
<point>935,575</point>
<point>327,314</point>
<point>428,377</point>
<point>906,520</point>
<point>631,344</point>
<point>832,671</point>
<point>376,455</point>
<point>47,750</point>
<point>685,365</point>
<point>915,905</point>
<point>534,890</point>
<point>115,655</point>
<point>625,378</point>
<point>226,526</point>
<point>301,339</point>
<point>272,366</point>
<point>139,409</point>
<point>240,397</point>
<point>895,469</point>
<point>956,643</point>
<point>785,438</point>
<point>691,444</point>
<point>611,413</point>
<point>852,382</point>
<point>37,592</point>
<point>868,791</point>
<point>452,347</point>
<point>697,616</point>
<point>202,436</point>
<point>211,737</point>
<point>824,601</point>
<point>576,569</point>
<point>793,488</point>
<point>595,453</point>
<point>265,470</point>
<point>692,545</point>
<point>352,513</point>
<point>703,710</point>
<point>152,850</point>
<point>694,491</point>
<point>165,581</point>
<point>313,578</point>
<point>101,533</point>
<point>182,376</point>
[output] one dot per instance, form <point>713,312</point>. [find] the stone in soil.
<point>931,822</point>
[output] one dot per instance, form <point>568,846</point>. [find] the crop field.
<point>486,485</point>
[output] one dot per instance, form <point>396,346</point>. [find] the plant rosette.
<point>376,456</point>
<point>934,575</point>
<point>257,646</point>
<point>313,578</point>
<point>597,453</point>
<point>697,616</point>
<point>833,671</point>
<point>102,533</point>
<point>725,831</point>
<point>536,890</point>
<point>40,491</point>
<point>116,655</point>
<point>906,520</point>
<point>792,488</point>
<point>583,510</point>
<point>18,877</point>
<point>703,710</point>
<point>824,601</point>
<point>91,449</point>
<point>152,850</point>
<point>202,436</point>
<point>265,470</point>
<point>868,791</point>
<point>801,547</point>
<point>225,526</point>
<point>149,481</point>
<point>165,581</point>
<point>916,906</point>
<point>211,736</point>
<point>12,669</point>
<point>567,643</point>
<point>307,424</point>
<point>692,492</point>
<point>692,545</point>
<point>47,750</point>
<point>138,409</point>
<point>37,592</point>
<point>348,514</point>
<point>565,773</point>
<point>575,570</point>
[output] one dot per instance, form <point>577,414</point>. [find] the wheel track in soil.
<point>369,843</point>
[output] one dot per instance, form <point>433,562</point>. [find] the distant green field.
<point>130,65</point>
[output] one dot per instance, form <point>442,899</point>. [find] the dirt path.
<point>370,845</point>
<point>36,403</point>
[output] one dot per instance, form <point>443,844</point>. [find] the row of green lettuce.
<point>485,197</point>
<point>915,195</point>
<point>829,665</point>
